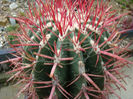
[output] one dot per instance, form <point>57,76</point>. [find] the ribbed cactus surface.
<point>69,50</point>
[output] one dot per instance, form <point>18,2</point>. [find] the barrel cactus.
<point>68,49</point>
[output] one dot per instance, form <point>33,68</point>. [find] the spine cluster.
<point>68,50</point>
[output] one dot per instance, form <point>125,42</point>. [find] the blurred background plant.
<point>11,29</point>
<point>125,4</point>
<point>127,21</point>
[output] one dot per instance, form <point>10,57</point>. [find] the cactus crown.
<point>68,50</point>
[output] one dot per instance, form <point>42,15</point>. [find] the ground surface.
<point>9,92</point>
<point>128,94</point>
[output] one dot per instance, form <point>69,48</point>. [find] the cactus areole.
<point>68,50</point>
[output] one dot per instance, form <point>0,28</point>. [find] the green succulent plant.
<point>125,3</point>
<point>10,29</point>
<point>69,51</point>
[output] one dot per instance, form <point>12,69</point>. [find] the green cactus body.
<point>82,62</point>
<point>68,50</point>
